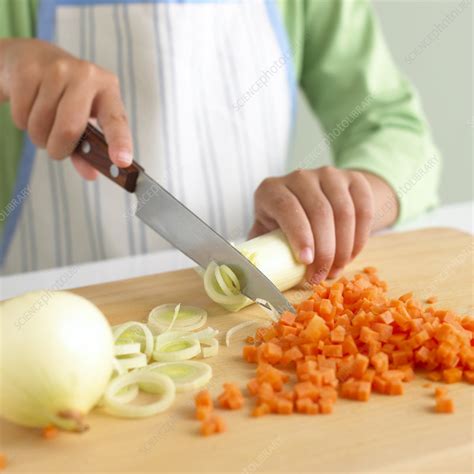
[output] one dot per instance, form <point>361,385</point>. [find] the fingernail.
<point>124,158</point>
<point>306,256</point>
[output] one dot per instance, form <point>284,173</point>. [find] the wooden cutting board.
<point>387,434</point>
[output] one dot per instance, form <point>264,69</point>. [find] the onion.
<point>56,356</point>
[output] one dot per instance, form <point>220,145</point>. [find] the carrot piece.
<point>202,412</point>
<point>213,425</point>
<point>49,432</point>
<point>361,363</point>
<point>271,352</point>
<point>287,318</point>
<point>435,376</point>
<point>432,299</point>
<point>203,398</point>
<point>306,390</point>
<point>249,340</point>
<point>261,409</point>
<point>380,384</point>
<point>252,386</point>
<point>3,461</point>
<point>394,387</point>
<point>284,406</point>
<point>250,353</point>
<point>332,350</point>
<point>291,355</point>
<point>326,406</point>
<point>380,362</point>
<point>453,375</point>
<point>469,376</point>
<point>231,398</point>
<point>349,346</point>
<point>441,392</point>
<point>315,330</point>
<point>444,405</point>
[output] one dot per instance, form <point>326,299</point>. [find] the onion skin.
<point>56,353</point>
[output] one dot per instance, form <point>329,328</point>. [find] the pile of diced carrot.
<point>210,423</point>
<point>350,339</point>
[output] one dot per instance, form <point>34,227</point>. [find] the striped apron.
<point>209,90</point>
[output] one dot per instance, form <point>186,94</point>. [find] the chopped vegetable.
<point>172,346</point>
<point>132,361</point>
<point>127,349</point>
<point>209,347</point>
<point>134,332</point>
<point>187,375</point>
<point>158,383</point>
<point>271,254</point>
<point>237,328</point>
<point>49,432</point>
<point>186,318</point>
<point>350,338</point>
<point>3,461</point>
<point>212,425</point>
<point>231,398</point>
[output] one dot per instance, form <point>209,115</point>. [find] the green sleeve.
<point>17,19</point>
<point>370,113</point>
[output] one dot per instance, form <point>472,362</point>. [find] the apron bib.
<point>209,94</point>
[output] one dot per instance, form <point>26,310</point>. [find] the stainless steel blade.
<point>184,230</point>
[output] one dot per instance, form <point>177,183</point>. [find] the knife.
<point>167,216</point>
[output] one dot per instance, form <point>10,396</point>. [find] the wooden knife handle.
<point>93,148</point>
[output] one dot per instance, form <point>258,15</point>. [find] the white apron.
<point>209,91</point>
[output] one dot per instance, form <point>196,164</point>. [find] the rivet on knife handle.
<point>93,148</point>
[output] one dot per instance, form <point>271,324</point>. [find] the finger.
<point>319,213</point>
<point>278,203</point>
<point>336,190</point>
<point>72,115</point>
<point>259,228</point>
<point>43,111</point>
<point>23,94</point>
<point>363,200</point>
<point>112,118</point>
<point>84,168</point>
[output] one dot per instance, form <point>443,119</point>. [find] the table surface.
<point>386,434</point>
<point>458,216</point>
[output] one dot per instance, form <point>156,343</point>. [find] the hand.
<point>327,215</point>
<point>53,95</point>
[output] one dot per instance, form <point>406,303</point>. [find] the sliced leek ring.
<point>188,318</point>
<point>237,328</point>
<point>132,361</point>
<point>127,349</point>
<point>176,345</point>
<point>132,332</point>
<point>212,349</point>
<point>162,384</point>
<point>187,375</point>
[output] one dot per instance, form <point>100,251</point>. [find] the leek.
<point>271,254</point>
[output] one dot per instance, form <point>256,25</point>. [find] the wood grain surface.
<point>387,434</point>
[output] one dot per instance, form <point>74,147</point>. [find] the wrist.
<point>386,203</point>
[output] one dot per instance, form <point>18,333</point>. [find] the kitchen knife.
<point>167,216</point>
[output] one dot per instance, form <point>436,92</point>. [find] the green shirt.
<point>369,111</point>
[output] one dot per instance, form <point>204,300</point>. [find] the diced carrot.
<point>361,363</point>
<point>250,353</point>
<point>469,376</point>
<point>3,461</point>
<point>291,355</point>
<point>441,392</point>
<point>212,425</point>
<point>202,412</point>
<point>380,362</point>
<point>444,405</point>
<point>453,375</point>
<point>287,318</point>
<point>203,398</point>
<point>284,406</point>
<point>349,346</point>
<point>394,387</point>
<point>332,350</point>
<point>261,409</point>
<point>325,406</point>
<point>432,299</point>
<point>306,390</point>
<point>338,334</point>
<point>252,386</point>
<point>231,398</point>
<point>249,340</point>
<point>380,384</point>
<point>49,432</point>
<point>271,352</point>
<point>435,376</point>
<point>316,329</point>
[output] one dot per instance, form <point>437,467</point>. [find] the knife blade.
<point>183,229</point>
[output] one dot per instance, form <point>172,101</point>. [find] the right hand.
<point>53,95</point>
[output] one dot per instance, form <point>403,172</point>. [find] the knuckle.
<point>328,171</point>
<point>60,69</point>
<point>343,210</point>
<point>69,133</point>
<point>87,70</point>
<point>266,185</point>
<point>279,202</point>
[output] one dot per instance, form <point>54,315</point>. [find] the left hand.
<point>327,215</point>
